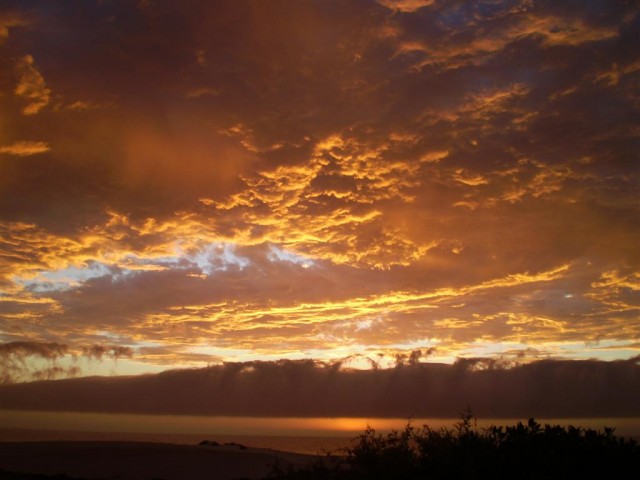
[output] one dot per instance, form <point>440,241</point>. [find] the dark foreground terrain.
<point>525,451</point>
<point>139,461</point>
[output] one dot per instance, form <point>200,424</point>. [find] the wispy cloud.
<point>25,148</point>
<point>31,87</point>
<point>11,19</point>
<point>31,360</point>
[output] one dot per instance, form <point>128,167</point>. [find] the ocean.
<point>302,435</point>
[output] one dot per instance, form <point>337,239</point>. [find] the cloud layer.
<point>237,180</point>
<point>544,389</point>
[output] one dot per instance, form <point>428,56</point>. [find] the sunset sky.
<point>186,183</point>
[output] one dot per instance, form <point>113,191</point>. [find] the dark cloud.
<point>16,358</point>
<point>97,352</point>
<point>28,360</point>
<point>44,350</point>
<point>546,389</point>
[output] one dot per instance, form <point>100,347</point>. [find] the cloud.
<point>559,31</point>
<point>8,20</point>
<point>85,106</point>
<point>547,389</point>
<point>28,360</point>
<point>406,5</point>
<point>31,87</point>
<point>214,295</point>
<point>44,350</point>
<point>114,352</point>
<point>202,91</point>
<point>228,181</point>
<point>25,148</point>
<point>15,358</point>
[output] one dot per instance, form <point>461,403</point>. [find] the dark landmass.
<point>543,389</point>
<point>4,475</point>
<point>140,461</point>
<point>525,451</point>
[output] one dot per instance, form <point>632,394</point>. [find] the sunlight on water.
<point>271,426</point>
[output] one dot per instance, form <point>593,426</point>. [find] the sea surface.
<point>303,435</point>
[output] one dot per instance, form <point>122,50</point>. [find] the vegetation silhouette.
<point>528,451</point>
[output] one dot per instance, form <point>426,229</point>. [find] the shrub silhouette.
<point>524,451</point>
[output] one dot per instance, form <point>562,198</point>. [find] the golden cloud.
<point>405,5</point>
<point>25,148</point>
<point>31,87</point>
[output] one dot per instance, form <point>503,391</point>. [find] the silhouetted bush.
<point>209,443</point>
<point>530,451</point>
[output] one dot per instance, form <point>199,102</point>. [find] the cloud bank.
<point>541,389</point>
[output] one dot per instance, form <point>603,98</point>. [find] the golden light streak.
<point>25,148</point>
<point>221,318</point>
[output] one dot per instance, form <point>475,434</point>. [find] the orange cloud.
<point>10,20</point>
<point>406,5</point>
<point>25,148</point>
<point>31,87</point>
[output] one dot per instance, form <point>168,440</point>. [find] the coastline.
<point>303,444</point>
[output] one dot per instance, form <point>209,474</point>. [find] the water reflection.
<point>272,426</point>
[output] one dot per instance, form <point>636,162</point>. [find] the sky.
<point>361,183</point>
